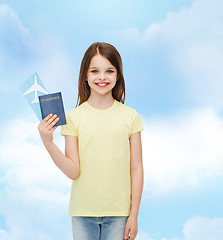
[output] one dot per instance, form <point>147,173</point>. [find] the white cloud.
<point>15,38</point>
<point>181,151</point>
<point>203,228</point>
<point>34,192</point>
<point>28,156</point>
<point>27,52</point>
<point>188,48</point>
<point>196,228</point>
<point>143,235</point>
<point>4,235</point>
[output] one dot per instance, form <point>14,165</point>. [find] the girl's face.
<point>101,75</point>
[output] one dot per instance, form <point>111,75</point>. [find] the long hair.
<point>110,52</point>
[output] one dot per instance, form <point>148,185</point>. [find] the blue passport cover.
<point>53,103</point>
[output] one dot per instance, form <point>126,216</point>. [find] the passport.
<point>53,103</point>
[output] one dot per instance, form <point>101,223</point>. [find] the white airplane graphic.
<point>35,87</point>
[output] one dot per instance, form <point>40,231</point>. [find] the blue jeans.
<point>99,228</point>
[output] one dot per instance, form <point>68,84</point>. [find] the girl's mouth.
<point>101,84</point>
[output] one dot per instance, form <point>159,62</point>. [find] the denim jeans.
<point>99,228</point>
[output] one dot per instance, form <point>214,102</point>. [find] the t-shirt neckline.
<point>101,110</point>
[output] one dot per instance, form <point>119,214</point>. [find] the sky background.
<point>172,54</point>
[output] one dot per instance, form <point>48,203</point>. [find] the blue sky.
<point>172,54</point>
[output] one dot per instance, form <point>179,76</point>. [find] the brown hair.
<point>110,52</point>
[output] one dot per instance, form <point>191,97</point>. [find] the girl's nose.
<point>102,76</point>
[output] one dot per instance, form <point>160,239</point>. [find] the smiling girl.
<point>103,150</point>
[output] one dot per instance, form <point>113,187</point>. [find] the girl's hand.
<point>132,227</point>
<point>46,128</point>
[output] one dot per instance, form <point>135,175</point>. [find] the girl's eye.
<point>95,71</point>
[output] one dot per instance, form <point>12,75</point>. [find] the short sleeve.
<point>71,127</point>
<point>136,124</point>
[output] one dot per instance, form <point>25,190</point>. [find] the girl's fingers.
<point>43,123</point>
<point>50,120</point>
<point>47,117</point>
<point>50,126</point>
<point>45,120</point>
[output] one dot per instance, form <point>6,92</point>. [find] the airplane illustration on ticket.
<point>31,89</point>
<point>34,88</point>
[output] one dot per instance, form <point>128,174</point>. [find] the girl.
<point>103,150</point>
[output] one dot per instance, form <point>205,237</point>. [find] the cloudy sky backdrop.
<point>172,54</point>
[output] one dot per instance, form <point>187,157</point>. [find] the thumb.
<point>126,235</point>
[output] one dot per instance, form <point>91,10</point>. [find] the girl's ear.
<point>117,77</point>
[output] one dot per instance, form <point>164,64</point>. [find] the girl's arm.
<point>136,185</point>
<point>136,172</point>
<point>69,163</point>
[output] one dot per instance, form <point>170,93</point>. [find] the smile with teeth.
<point>101,84</point>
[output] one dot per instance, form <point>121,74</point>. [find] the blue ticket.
<point>31,89</point>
